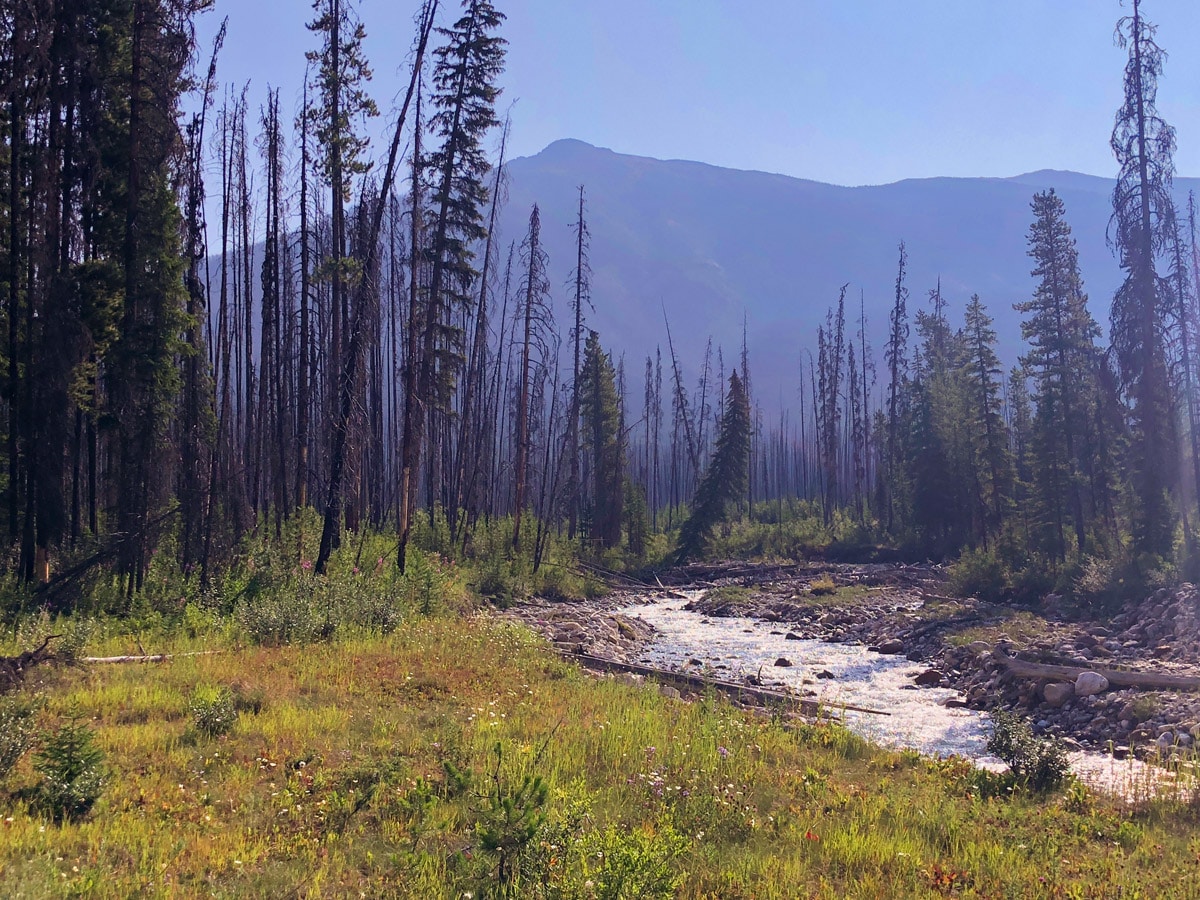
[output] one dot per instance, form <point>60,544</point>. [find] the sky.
<point>848,92</point>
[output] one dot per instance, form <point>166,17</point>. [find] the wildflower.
<point>306,564</point>
<point>809,836</point>
<point>724,752</point>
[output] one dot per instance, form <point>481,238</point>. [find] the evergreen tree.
<point>897,362</point>
<point>993,463</point>
<point>603,442</point>
<point>1061,358</point>
<point>724,482</point>
<point>465,92</point>
<point>1144,144</point>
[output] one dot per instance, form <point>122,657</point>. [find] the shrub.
<point>16,732</point>
<point>72,770</point>
<point>214,710</point>
<point>294,614</point>
<point>822,586</point>
<point>634,862</point>
<point>508,822</point>
<point>978,574</point>
<point>1037,763</point>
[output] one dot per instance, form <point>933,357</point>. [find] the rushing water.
<point>732,648</point>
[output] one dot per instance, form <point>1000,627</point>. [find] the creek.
<point>838,675</point>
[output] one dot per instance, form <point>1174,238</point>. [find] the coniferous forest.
<point>267,380</point>
<point>219,312</point>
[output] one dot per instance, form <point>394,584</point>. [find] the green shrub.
<point>214,711</point>
<point>978,574</point>
<point>292,614</point>
<point>633,862</point>
<point>16,732</point>
<point>1037,763</point>
<point>72,770</point>
<point>508,822</point>
<point>822,586</point>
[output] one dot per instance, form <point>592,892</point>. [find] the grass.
<point>1020,626</point>
<point>370,768</point>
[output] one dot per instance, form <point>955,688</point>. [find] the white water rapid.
<point>838,675</point>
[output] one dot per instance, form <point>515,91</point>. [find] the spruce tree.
<point>1144,144</point>
<point>603,443</point>
<point>1061,357</point>
<point>724,482</point>
<point>464,100</point>
<point>993,463</point>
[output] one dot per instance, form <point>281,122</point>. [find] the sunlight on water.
<point>733,648</point>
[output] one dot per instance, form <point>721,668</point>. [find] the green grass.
<point>344,784</point>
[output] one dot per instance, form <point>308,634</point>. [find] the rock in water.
<point>892,646</point>
<point>1089,683</point>
<point>929,678</point>
<point>1058,692</point>
<point>783,662</point>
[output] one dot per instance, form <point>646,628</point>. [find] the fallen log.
<point>699,683</point>
<point>1116,677</point>
<point>13,668</point>
<point>154,657</point>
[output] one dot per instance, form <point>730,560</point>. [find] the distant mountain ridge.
<point>711,245</point>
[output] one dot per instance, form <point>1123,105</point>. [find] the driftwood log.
<point>146,658</point>
<point>699,683</point>
<point>1116,677</point>
<point>13,668</point>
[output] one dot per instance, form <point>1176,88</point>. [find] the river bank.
<point>891,636</point>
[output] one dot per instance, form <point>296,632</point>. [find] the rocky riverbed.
<point>960,647</point>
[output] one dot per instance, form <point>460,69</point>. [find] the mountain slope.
<point>711,245</point>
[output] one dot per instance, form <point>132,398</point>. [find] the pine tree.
<point>993,463</point>
<point>1061,358</point>
<point>724,482</point>
<point>896,358</point>
<point>468,64</point>
<point>603,443</point>
<point>1144,144</point>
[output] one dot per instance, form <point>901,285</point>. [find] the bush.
<point>822,586</point>
<point>214,710</point>
<point>72,770</point>
<point>294,614</point>
<point>1037,763</point>
<point>978,574</point>
<point>16,732</point>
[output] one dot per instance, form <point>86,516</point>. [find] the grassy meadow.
<point>377,735</point>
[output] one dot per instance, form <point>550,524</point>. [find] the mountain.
<point>711,245</point>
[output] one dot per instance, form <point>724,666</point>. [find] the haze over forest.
<point>712,244</point>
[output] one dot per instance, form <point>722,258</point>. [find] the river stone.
<point>890,646</point>
<point>825,674</point>
<point>1089,683</point>
<point>792,636</point>
<point>783,662</point>
<point>978,647</point>
<point>1056,693</point>
<point>929,678</point>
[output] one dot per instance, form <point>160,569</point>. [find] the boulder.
<point>929,678</point>
<point>890,646</point>
<point>792,636</point>
<point>669,692</point>
<point>1089,683</point>
<point>978,647</point>
<point>1056,693</point>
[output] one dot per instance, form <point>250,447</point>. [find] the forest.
<point>220,318</point>
<point>247,352</point>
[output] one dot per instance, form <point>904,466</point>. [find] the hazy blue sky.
<point>845,91</point>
